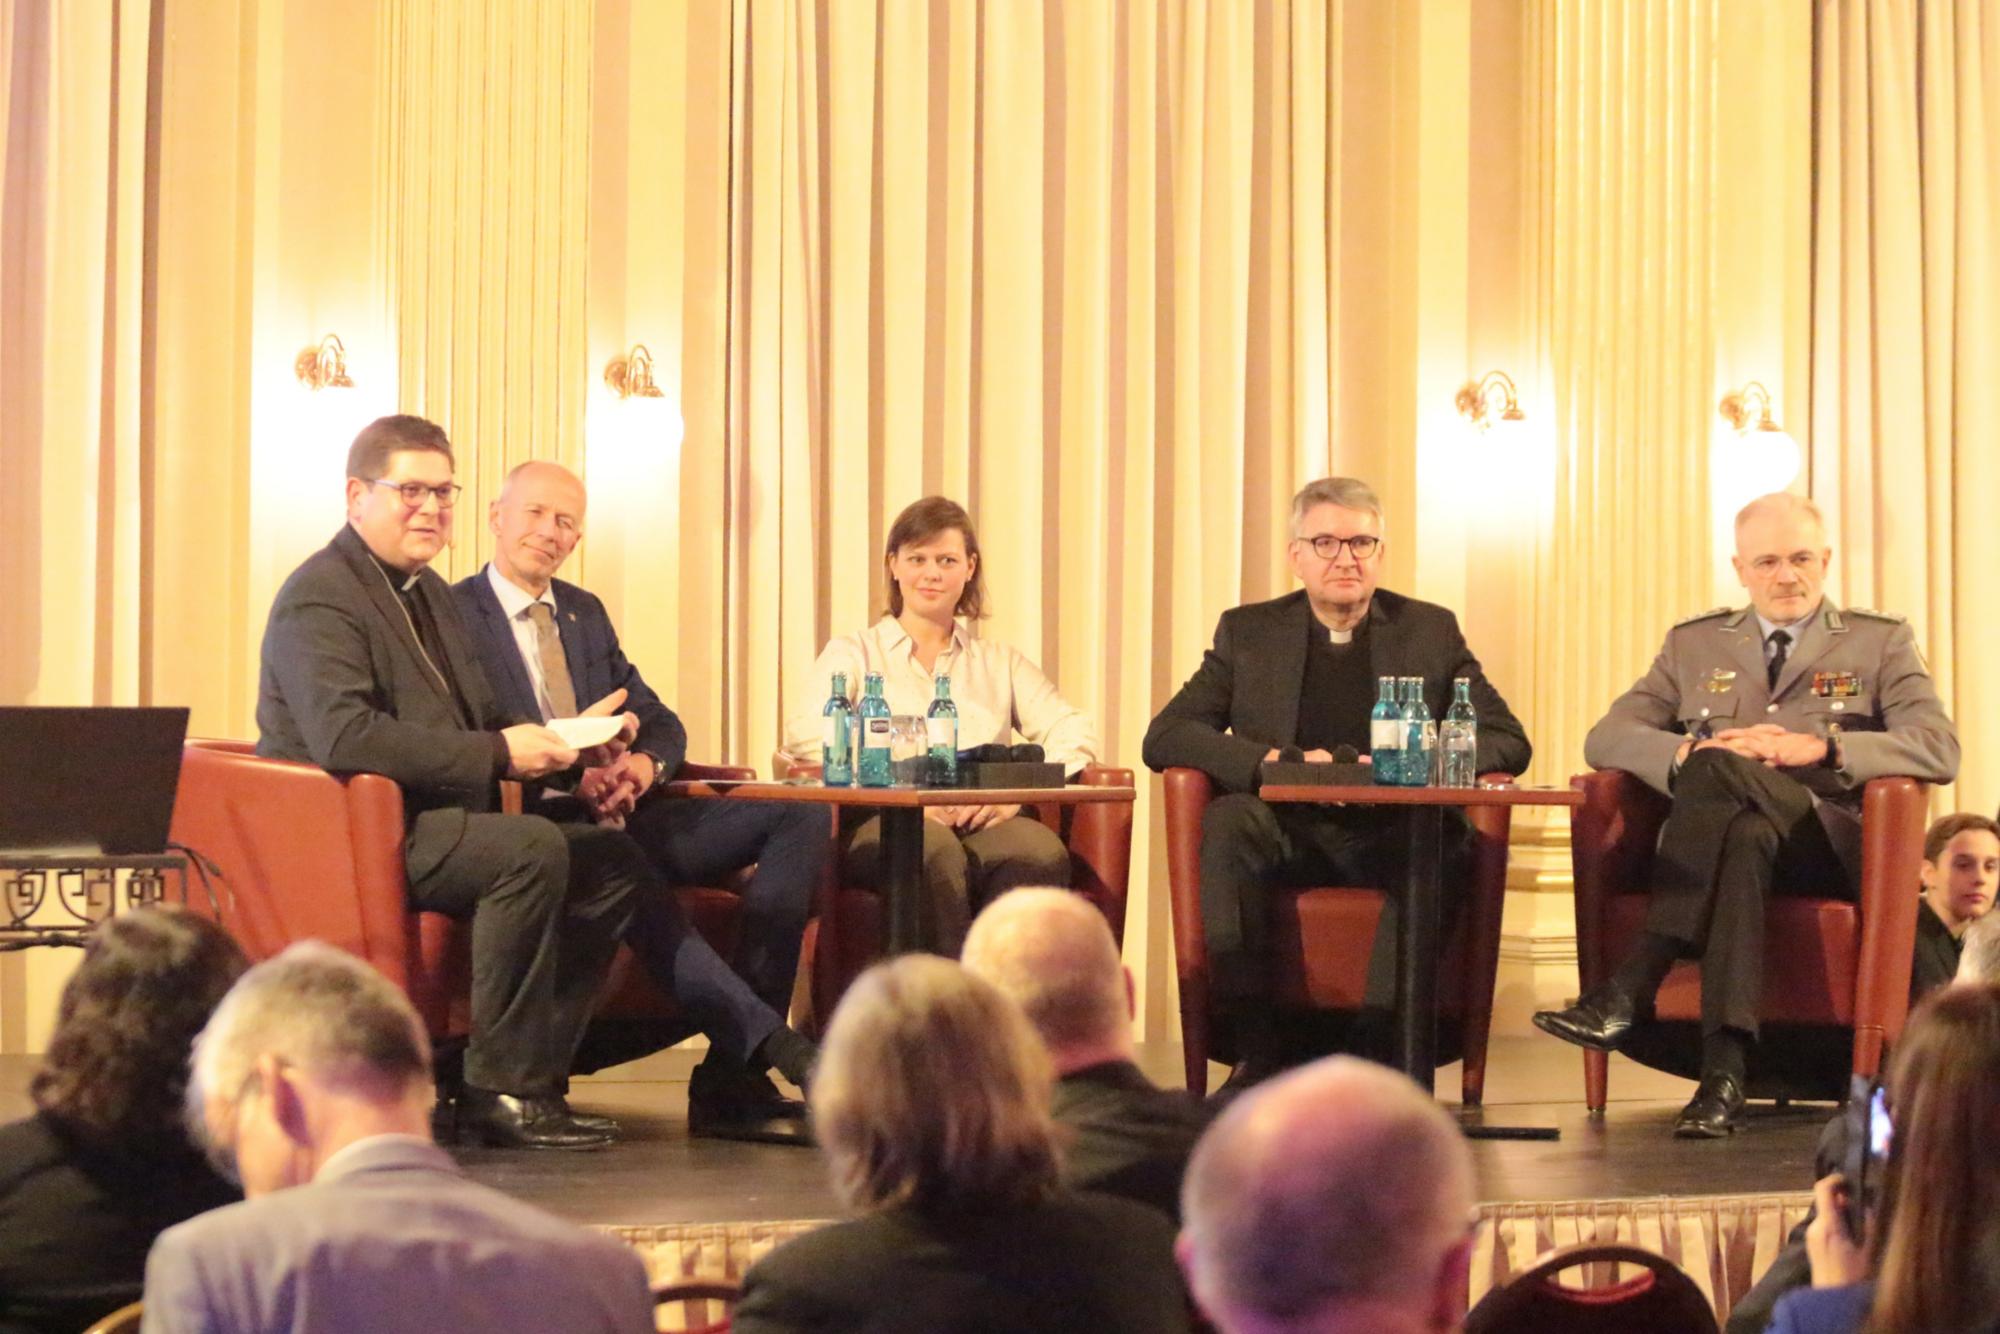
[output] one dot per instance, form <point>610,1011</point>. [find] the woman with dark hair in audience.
<point>105,1164</point>
<point>1960,870</point>
<point>1930,1258</point>
<point>932,1101</point>
<point>936,593</point>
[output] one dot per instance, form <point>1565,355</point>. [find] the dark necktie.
<point>1781,640</point>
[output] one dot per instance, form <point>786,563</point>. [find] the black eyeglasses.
<point>1327,547</point>
<point>413,493</point>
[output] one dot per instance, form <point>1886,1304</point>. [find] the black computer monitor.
<point>88,782</point>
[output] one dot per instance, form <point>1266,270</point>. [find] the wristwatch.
<point>660,774</point>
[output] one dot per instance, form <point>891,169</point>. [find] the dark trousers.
<point>549,903</point>
<point>1739,831</point>
<point>704,842</point>
<point>1250,847</point>
<point>965,872</point>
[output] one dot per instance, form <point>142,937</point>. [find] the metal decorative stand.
<point>85,890</point>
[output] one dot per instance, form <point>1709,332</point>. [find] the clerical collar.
<point>399,580</point>
<point>1339,636</point>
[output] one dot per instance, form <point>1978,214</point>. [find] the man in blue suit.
<point>547,646</point>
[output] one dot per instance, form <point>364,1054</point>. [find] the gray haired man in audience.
<point>1332,1199</point>
<point>1050,951</point>
<point>312,1083</point>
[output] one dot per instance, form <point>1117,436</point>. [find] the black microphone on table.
<point>1346,755</point>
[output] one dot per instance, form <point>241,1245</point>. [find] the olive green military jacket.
<point>1853,675</point>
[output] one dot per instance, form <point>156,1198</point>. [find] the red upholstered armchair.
<point>305,855</point>
<point>1323,936</point>
<point>1828,962</point>
<point>1099,838</point>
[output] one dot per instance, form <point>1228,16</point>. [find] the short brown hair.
<point>385,437</point>
<point>921,521</point>
<point>1949,827</point>
<point>933,1091</point>
<point>116,1068</point>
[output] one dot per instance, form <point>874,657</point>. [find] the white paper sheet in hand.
<point>583,733</point>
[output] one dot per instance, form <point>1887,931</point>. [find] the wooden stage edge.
<point>656,1176</point>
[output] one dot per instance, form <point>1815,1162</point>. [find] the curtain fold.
<point>1906,329</point>
<point>1069,263</point>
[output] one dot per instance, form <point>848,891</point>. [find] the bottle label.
<point>942,733</point>
<point>875,735</point>
<point>833,736</point>
<point>1385,734</point>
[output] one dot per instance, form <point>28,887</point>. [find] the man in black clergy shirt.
<point>1299,673</point>
<point>367,669</point>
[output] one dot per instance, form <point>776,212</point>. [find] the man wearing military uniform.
<point>1763,724</point>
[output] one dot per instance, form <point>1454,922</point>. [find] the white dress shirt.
<point>997,690</point>
<point>515,601</point>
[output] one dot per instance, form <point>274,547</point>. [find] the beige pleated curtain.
<point>1906,331</point>
<point>1068,263</point>
<point>1118,275</point>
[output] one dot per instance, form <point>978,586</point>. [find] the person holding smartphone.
<point>1926,1254</point>
<point>1978,965</point>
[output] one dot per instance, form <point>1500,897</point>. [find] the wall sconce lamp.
<point>1490,401</point>
<point>324,366</point>
<point>631,376</point>
<point>1773,456</point>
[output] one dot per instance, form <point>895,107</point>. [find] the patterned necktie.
<point>555,667</point>
<point>1780,641</point>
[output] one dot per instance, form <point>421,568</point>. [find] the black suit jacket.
<point>1244,699</point>
<point>597,665</point>
<point>1129,1138</point>
<point>1080,1262</point>
<point>76,1222</point>
<point>1934,962</point>
<point>345,685</point>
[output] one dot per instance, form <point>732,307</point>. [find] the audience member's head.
<point>1337,1197</point>
<point>1937,1233</point>
<point>1050,951</point>
<point>116,1069</point>
<point>309,1052</point>
<point>933,1092</point>
<point>1961,868</point>
<point>1979,960</point>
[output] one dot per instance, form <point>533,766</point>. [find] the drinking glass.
<point>909,751</point>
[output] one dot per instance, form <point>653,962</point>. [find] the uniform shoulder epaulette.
<point>1708,615</point>
<point>1872,614</point>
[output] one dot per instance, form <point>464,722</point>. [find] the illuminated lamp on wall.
<point>631,376</point>
<point>1763,458</point>
<point>324,366</point>
<point>643,420</point>
<point>1492,405</point>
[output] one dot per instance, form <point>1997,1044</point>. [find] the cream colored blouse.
<point>997,690</point>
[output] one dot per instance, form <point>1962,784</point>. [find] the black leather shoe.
<point>1246,1074</point>
<point>733,1102</point>
<point>1599,1021</point>
<point>603,1125</point>
<point>502,1120</point>
<point>1715,1111</point>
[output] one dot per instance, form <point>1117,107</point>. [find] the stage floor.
<point>658,1176</point>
